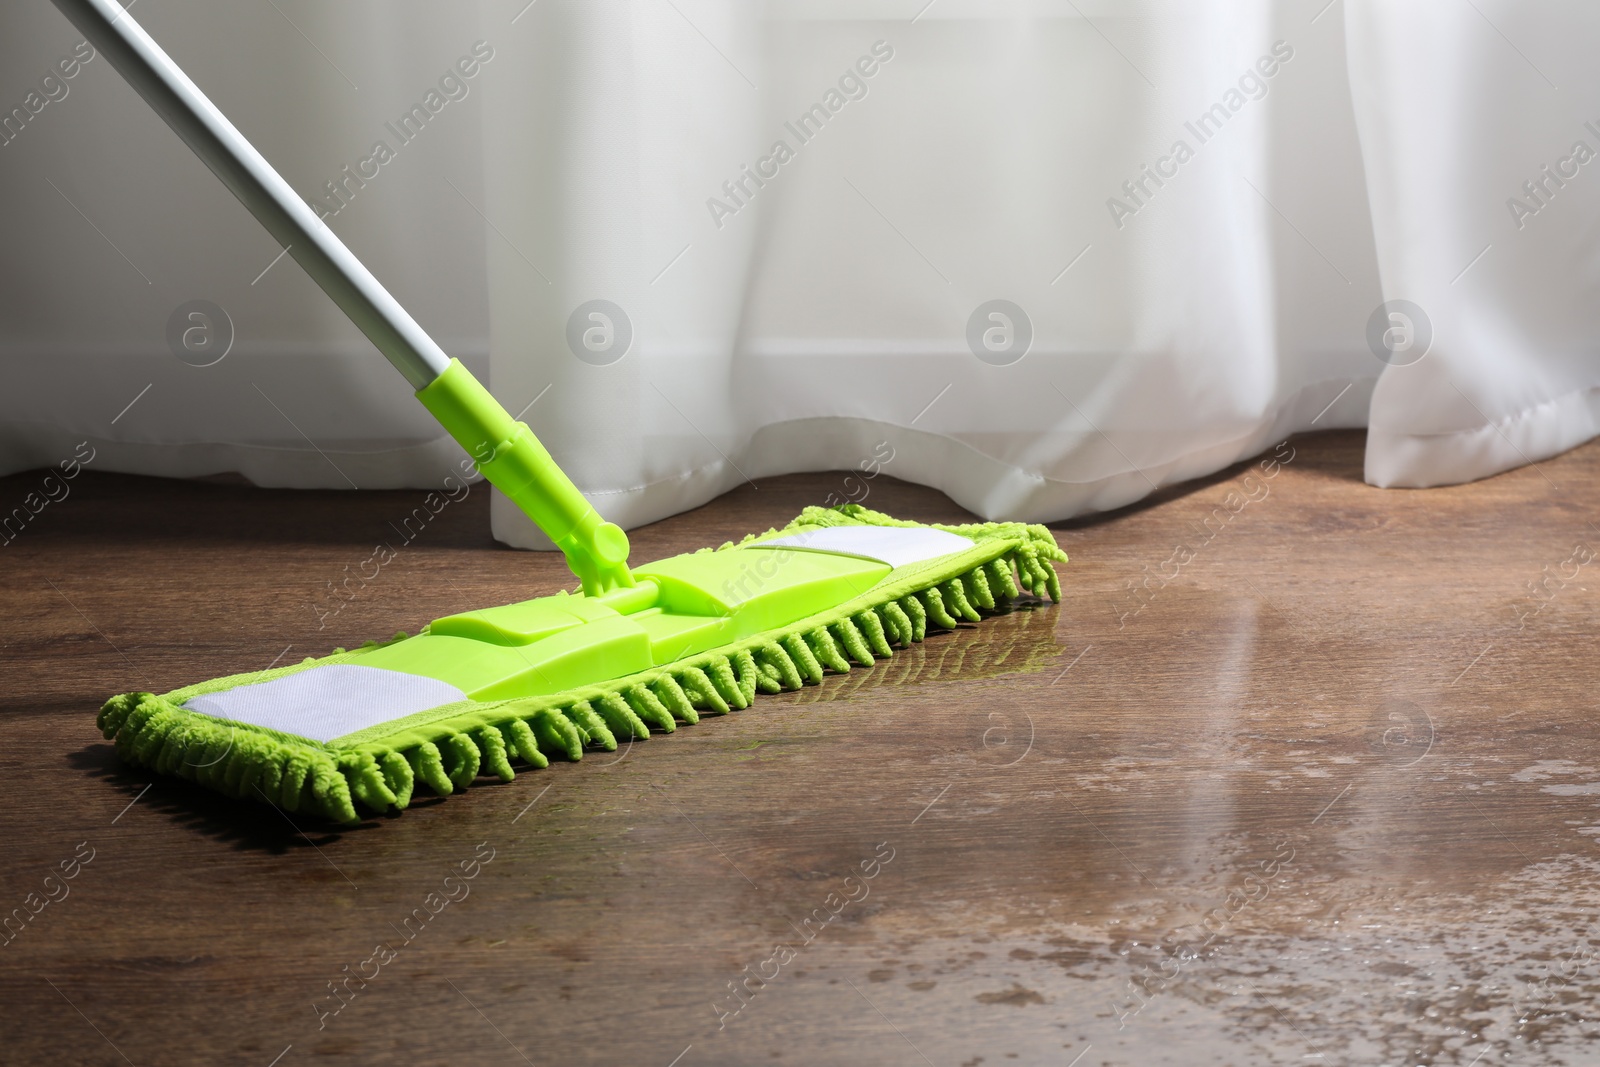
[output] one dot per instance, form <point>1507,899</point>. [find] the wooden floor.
<point>1301,772</point>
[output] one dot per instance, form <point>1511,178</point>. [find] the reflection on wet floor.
<point>1021,641</point>
<point>1242,835</point>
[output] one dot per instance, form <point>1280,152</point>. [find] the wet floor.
<point>1313,779</point>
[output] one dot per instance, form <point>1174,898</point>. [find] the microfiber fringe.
<point>234,758</point>
<point>338,781</point>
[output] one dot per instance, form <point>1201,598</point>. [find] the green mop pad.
<point>475,693</point>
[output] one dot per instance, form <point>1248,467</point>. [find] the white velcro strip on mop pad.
<point>895,545</point>
<point>326,702</point>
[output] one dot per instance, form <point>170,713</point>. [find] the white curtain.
<point>1480,133</point>
<point>1045,255</point>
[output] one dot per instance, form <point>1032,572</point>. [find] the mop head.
<point>473,693</point>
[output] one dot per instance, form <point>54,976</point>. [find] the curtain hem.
<point>1421,461</point>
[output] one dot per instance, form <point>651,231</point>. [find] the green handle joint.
<point>508,454</point>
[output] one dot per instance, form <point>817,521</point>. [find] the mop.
<point>631,651</point>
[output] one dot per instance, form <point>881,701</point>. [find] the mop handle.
<point>505,450</point>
